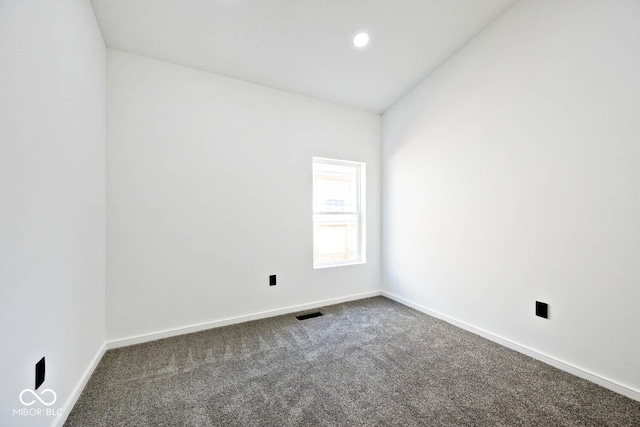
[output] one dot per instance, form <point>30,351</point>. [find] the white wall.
<point>209,192</point>
<point>52,198</point>
<point>511,175</point>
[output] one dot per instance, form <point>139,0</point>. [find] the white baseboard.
<point>233,320</point>
<point>549,360</point>
<point>71,401</point>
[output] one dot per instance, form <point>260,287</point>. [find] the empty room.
<point>306,212</point>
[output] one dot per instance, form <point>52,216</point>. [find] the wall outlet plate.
<point>39,373</point>
<point>272,280</point>
<point>542,309</point>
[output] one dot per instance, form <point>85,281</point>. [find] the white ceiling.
<point>302,46</point>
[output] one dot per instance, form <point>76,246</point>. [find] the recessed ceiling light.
<point>361,40</point>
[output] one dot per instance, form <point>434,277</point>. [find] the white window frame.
<point>360,212</point>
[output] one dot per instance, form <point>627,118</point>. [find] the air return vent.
<point>309,316</point>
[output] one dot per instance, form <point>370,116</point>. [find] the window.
<point>338,212</point>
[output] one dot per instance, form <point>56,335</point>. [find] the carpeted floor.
<point>364,363</point>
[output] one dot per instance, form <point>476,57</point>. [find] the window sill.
<point>342,264</point>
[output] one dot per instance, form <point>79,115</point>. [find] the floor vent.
<point>309,316</point>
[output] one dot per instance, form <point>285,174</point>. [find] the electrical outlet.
<point>542,309</point>
<point>272,280</point>
<point>39,373</point>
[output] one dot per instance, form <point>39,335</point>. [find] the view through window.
<point>338,212</point>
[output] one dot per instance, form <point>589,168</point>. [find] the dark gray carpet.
<point>364,363</point>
